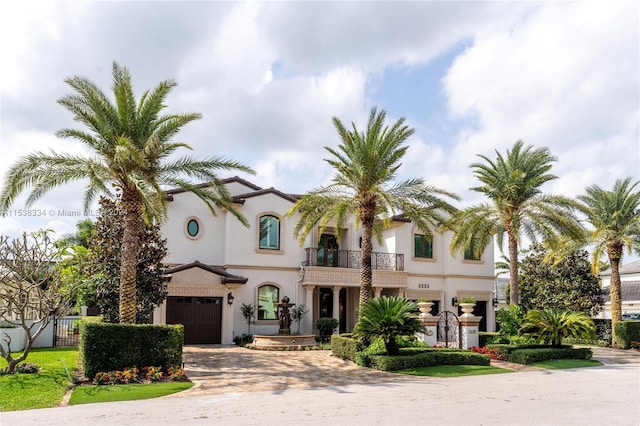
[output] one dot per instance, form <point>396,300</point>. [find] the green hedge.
<point>109,347</point>
<point>422,359</point>
<point>531,356</point>
<point>486,337</point>
<point>344,346</point>
<point>627,332</point>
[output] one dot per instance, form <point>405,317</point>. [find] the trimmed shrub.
<point>627,332</point>
<point>531,356</point>
<point>345,346</point>
<point>114,347</point>
<point>243,339</point>
<point>603,329</point>
<point>325,328</point>
<point>427,359</point>
<point>600,343</point>
<point>485,337</point>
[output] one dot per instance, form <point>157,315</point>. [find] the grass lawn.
<point>454,370</point>
<point>131,392</point>
<point>555,364</point>
<point>41,390</point>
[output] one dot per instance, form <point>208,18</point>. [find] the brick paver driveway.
<point>217,369</point>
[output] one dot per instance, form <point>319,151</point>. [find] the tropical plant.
<point>550,326</point>
<point>297,313</point>
<point>248,312</point>
<point>129,142</point>
<point>516,208</point>
<point>388,318</point>
<point>565,284</point>
<point>84,229</point>
<point>614,220</point>
<point>365,165</point>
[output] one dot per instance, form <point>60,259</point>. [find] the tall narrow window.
<point>471,252</point>
<point>269,233</point>
<point>422,246</point>
<point>268,302</point>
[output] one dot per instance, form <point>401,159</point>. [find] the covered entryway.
<point>201,317</point>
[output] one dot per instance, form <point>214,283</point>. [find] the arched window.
<point>268,296</point>
<point>269,233</point>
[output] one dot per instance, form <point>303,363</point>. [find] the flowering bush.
<point>634,345</point>
<point>143,375</point>
<point>493,353</point>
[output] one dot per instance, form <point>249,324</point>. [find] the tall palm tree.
<point>516,207</point>
<point>614,219</point>
<point>365,165</point>
<point>130,144</point>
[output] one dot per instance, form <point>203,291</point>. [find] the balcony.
<point>352,259</point>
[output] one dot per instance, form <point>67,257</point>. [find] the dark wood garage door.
<point>201,317</point>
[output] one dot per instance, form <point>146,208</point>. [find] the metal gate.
<point>449,330</point>
<point>65,331</point>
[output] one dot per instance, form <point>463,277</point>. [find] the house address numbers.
<point>423,285</point>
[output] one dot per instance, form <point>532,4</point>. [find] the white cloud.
<point>563,79</point>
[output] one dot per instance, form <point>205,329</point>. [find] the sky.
<point>472,78</point>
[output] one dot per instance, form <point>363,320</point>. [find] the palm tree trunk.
<point>615,253</point>
<point>514,292</point>
<point>366,274</point>
<point>132,206</point>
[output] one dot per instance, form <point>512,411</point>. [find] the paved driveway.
<point>219,369</point>
<point>236,386</point>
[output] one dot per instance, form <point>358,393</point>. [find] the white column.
<point>308,320</point>
<point>377,291</point>
<point>336,302</point>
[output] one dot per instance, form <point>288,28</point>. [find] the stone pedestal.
<point>469,330</point>
<point>431,324</point>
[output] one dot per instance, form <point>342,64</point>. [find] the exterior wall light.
<point>230,298</point>
<point>454,301</point>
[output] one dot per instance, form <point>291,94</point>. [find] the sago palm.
<point>614,224</point>
<point>517,207</point>
<point>388,318</point>
<point>550,326</point>
<point>129,145</point>
<point>365,167</point>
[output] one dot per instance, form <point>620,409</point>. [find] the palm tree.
<point>388,318</point>
<point>365,164</point>
<point>614,219</point>
<point>130,143</point>
<point>517,207</point>
<point>84,229</point>
<point>550,326</point>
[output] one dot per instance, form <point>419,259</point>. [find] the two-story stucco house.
<point>215,264</point>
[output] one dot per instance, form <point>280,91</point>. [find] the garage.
<point>201,317</point>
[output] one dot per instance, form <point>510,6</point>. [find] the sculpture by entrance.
<point>284,316</point>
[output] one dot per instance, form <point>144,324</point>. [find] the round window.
<point>193,228</point>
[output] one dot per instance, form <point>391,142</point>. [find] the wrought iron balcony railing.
<point>353,259</point>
